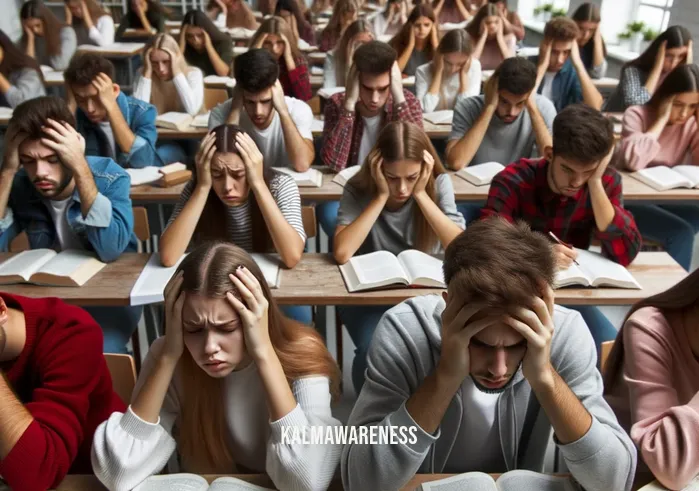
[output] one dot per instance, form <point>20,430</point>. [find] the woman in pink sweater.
<point>665,131</point>
<point>652,381</point>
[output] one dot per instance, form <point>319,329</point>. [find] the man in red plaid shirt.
<point>574,194</point>
<point>353,120</point>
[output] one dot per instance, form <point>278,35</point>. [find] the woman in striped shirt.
<point>234,197</point>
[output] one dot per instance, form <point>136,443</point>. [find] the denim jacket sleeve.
<point>9,229</point>
<point>142,153</point>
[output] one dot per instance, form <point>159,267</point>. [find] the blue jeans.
<point>470,211</point>
<point>326,213</point>
<point>361,323</point>
<point>118,324</point>
<point>600,327</point>
<point>674,226</point>
<point>299,313</point>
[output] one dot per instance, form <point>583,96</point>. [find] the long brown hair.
<point>400,41</point>
<point>95,10</point>
<point>202,426</point>
<point>676,37</point>
<point>35,9</point>
<point>684,78</point>
<point>14,59</point>
<point>342,63</point>
<point>487,10</point>
<point>400,140</point>
<point>455,41</point>
<point>278,26</point>
<point>340,8</point>
<point>589,12</point>
<point>675,299</point>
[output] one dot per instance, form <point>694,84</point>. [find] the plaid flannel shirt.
<point>343,130</point>
<point>296,83</point>
<point>521,192</point>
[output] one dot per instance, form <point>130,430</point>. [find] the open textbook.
<point>345,175</point>
<point>519,480</point>
<point>480,174</point>
<point>381,269</point>
<point>149,174</point>
<point>656,486</point>
<point>662,178</point>
<point>181,121</point>
<point>312,178</point>
<point>192,482</point>
<point>596,270</point>
<point>439,117</point>
<point>151,283</point>
<point>48,267</point>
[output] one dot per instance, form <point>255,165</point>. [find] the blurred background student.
<point>338,61</point>
<point>344,13</point>
<point>143,16</point>
<point>390,21</point>
<point>491,45</point>
<point>20,75</point>
<point>417,41</point>
<point>45,38</point>
<point>91,23</point>
<point>204,46</point>
<point>231,13</point>
<point>593,51</point>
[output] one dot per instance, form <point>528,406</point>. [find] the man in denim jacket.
<point>64,200</point>
<point>114,125</point>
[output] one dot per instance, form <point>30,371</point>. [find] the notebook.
<point>312,178</point>
<point>345,175</point>
<point>240,32</point>
<point>51,268</point>
<point>662,178</point>
<point>596,270</point>
<point>381,269</point>
<point>439,117</point>
<point>518,480</point>
<point>192,482</point>
<point>480,174</point>
<point>217,79</point>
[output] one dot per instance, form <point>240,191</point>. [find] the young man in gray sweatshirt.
<point>484,373</point>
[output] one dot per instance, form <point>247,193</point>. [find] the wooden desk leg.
<point>338,344</point>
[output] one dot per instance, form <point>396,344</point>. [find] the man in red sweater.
<point>55,389</point>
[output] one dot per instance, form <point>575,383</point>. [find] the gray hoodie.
<point>405,349</point>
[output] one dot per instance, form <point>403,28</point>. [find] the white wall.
<point>9,21</point>
<point>686,13</point>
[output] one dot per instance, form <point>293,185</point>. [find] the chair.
<point>141,227</point>
<point>214,97</point>
<point>123,372</point>
<point>605,349</point>
<point>308,215</point>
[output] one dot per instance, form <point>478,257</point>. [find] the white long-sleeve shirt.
<point>190,89</point>
<point>102,32</point>
<point>449,92</point>
<point>127,450</point>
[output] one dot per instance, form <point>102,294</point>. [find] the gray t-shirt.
<point>417,58</point>
<point>394,230</point>
<point>106,128</point>
<point>504,143</point>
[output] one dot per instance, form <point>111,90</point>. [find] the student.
<point>279,125</point>
<point>451,11</point>
<point>231,13</point>
<point>20,75</point>
<point>485,373</point>
<point>562,76</point>
<point>353,120</point>
<point>293,15</point>
<point>228,379</point>
<point>640,77</point>
<point>112,123</point>
<point>511,21</point>
<point>64,200</point>
<point>204,46</point>
<point>402,198</point>
<point>665,131</point>
<point>417,41</point>
<point>92,24</point>
<point>650,382</point>
<point>593,51</point>
<point>390,21</point>
<point>337,62</point>
<point>55,389</point>
<point>275,36</point>
<point>167,82</point>
<point>344,14</point>
<point>143,16</point>
<point>490,43</point>
<point>452,75</point>
<point>572,193</point>
<point>45,39</point>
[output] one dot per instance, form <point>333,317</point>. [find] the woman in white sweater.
<point>167,82</point>
<point>338,61</point>
<point>454,73</point>
<point>92,24</point>
<point>45,38</point>
<point>228,379</point>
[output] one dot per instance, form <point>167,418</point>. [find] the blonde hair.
<point>400,140</point>
<point>202,425</point>
<point>163,94</point>
<point>278,26</point>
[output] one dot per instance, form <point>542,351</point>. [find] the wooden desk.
<point>54,79</point>
<point>635,190</point>
<point>116,50</point>
<point>110,287</point>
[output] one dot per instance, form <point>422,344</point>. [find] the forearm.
<point>87,189</point>
<point>598,53</point>
<point>14,418</point>
<point>149,400</point>
<point>602,207</point>
<point>221,68</point>
<point>176,237</point>
<point>541,131</point>
<point>280,399</point>
<point>478,48</point>
<point>430,401</point>
<point>652,80</point>
<point>300,150</point>
<point>461,153</point>
<point>349,239</point>
<point>31,48</point>
<point>405,56</point>
<point>436,84</point>
<point>6,178</point>
<point>123,136</point>
<point>287,241</point>
<point>445,229</point>
<point>591,95</point>
<point>465,14</point>
<point>657,127</point>
<point>144,22</point>
<point>4,84</point>
<point>504,48</point>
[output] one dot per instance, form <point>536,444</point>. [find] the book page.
<point>150,286</point>
<point>571,276</point>
<point>661,178</point>
<point>420,267</point>
<point>470,481</point>
<point>75,264</point>
<point>346,174</point>
<point>26,263</point>
<point>481,174</point>
<point>522,480</point>
<point>691,172</point>
<point>144,175</point>
<point>201,120</point>
<point>439,117</point>
<point>173,482</point>
<point>233,484</point>
<point>377,268</point>
<point>5,112</point>
<point>173,118</point>
<point>269,264</point>
<point>327,93</point>
<point>311,177</point>
<point>603,271</point>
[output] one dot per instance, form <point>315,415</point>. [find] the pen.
<point>553,236</point>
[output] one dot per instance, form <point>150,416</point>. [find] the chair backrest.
<point>123,372</point>
<point>605,349</point>
<point>20,243</point>
<point>140,223</point>
<point>214,97</point>
<point>308,215</point>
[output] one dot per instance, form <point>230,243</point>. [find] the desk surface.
<point>116,50</point>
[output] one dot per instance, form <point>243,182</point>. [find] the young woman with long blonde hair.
<point>338,61</point>
<point>45,38</point>
<point>401,198</point>
<point>92,24</point>
<point>417,41</point>
<point>220,387</point>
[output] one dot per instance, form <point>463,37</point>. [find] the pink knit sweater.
<point>659,396</point>
<point>677,144</point>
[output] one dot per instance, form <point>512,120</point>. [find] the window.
<point>655,13</point>
<point>525,8</point>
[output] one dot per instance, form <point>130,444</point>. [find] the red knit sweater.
<point>62,379</point>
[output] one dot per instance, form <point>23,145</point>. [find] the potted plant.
<point>648,36</point>
<point>559,13</point>
<point>624,40</point>
<point>543,12</point>
<point>636,29</point>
